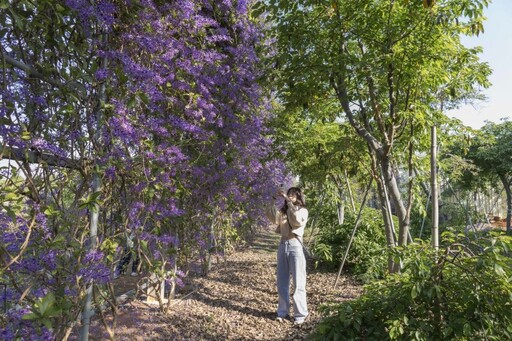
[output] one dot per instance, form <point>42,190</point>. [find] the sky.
<point>497,45</point>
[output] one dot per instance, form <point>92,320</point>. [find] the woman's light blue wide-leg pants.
<point>291,261</point>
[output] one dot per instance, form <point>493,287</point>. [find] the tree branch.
<point>342,95</point>
<point>34,73</point>
<point>35,156</point>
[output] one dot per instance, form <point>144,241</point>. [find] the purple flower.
<point>179,282</point>
<point>98,272</point>
<point>39,100</point>
<point>93,256</point>
<point>166,239</point>
<point>49,260</point>
<point>110,173</point>
<point>101,74</point>
<point>184,133</point>
<point>18,329</point>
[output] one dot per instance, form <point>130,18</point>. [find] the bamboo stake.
<point>358,220</point>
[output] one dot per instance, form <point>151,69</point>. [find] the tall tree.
<point>392,66</point>
<point>491,151</point>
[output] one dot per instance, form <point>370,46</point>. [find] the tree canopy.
<point>490,151</point>
<point>388,68</point>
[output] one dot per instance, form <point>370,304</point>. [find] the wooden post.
<point>88,310</point>
<point>434,189</point>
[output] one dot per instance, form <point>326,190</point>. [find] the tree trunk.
<point>507,184</point>
<point>350,195</point>
<point>386,216</point>
<point>88,311</point>
<point>509,210</point>
<point>341,206</point>
<point>396,197</point>
<point>341,213</point>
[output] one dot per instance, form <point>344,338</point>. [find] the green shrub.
<point>367,256</point>
<point>462,292</point>
<point>453,217</point>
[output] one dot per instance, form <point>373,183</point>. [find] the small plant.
<point>366,257</point>
<point>461,292</point>
<point>44,309</point>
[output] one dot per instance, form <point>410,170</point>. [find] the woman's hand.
<point>279,194</point>
<point>282,194</point>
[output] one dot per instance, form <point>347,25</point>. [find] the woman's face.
<point>292,197</point>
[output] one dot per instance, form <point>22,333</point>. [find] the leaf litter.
<point>236,301</point>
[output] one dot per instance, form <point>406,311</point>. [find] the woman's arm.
<point>297,216</point>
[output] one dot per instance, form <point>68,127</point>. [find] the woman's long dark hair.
<point>300,198</point>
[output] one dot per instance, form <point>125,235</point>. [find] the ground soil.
<point>236,301</point>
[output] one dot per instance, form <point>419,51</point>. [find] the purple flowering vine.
<point>162,100</point>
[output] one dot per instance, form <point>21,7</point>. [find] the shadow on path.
<point>265,242</point>
<point>237,301</point>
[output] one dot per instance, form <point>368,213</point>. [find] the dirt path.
<point>237,301</point>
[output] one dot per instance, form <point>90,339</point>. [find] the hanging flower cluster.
<point>191,114</point>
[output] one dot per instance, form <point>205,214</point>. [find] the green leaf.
<point>467,329</point>
<point>437,288</point>
<point>45,303</point>
<point>499,270</point>
<point>25,135</point>
<point>30,316</point>
<point>47,323</point>
<point>51,211</point>
<point>11,196</point>
<point>59,8</point>
<point>131,102</point>
<point>92,201</point>
<point>414,292</point>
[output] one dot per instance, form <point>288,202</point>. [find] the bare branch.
<point>35,156</point>
<point>73,87</point>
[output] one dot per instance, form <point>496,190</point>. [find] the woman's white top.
<point>297,215</point>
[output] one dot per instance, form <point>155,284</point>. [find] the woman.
<point>291,220</point>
